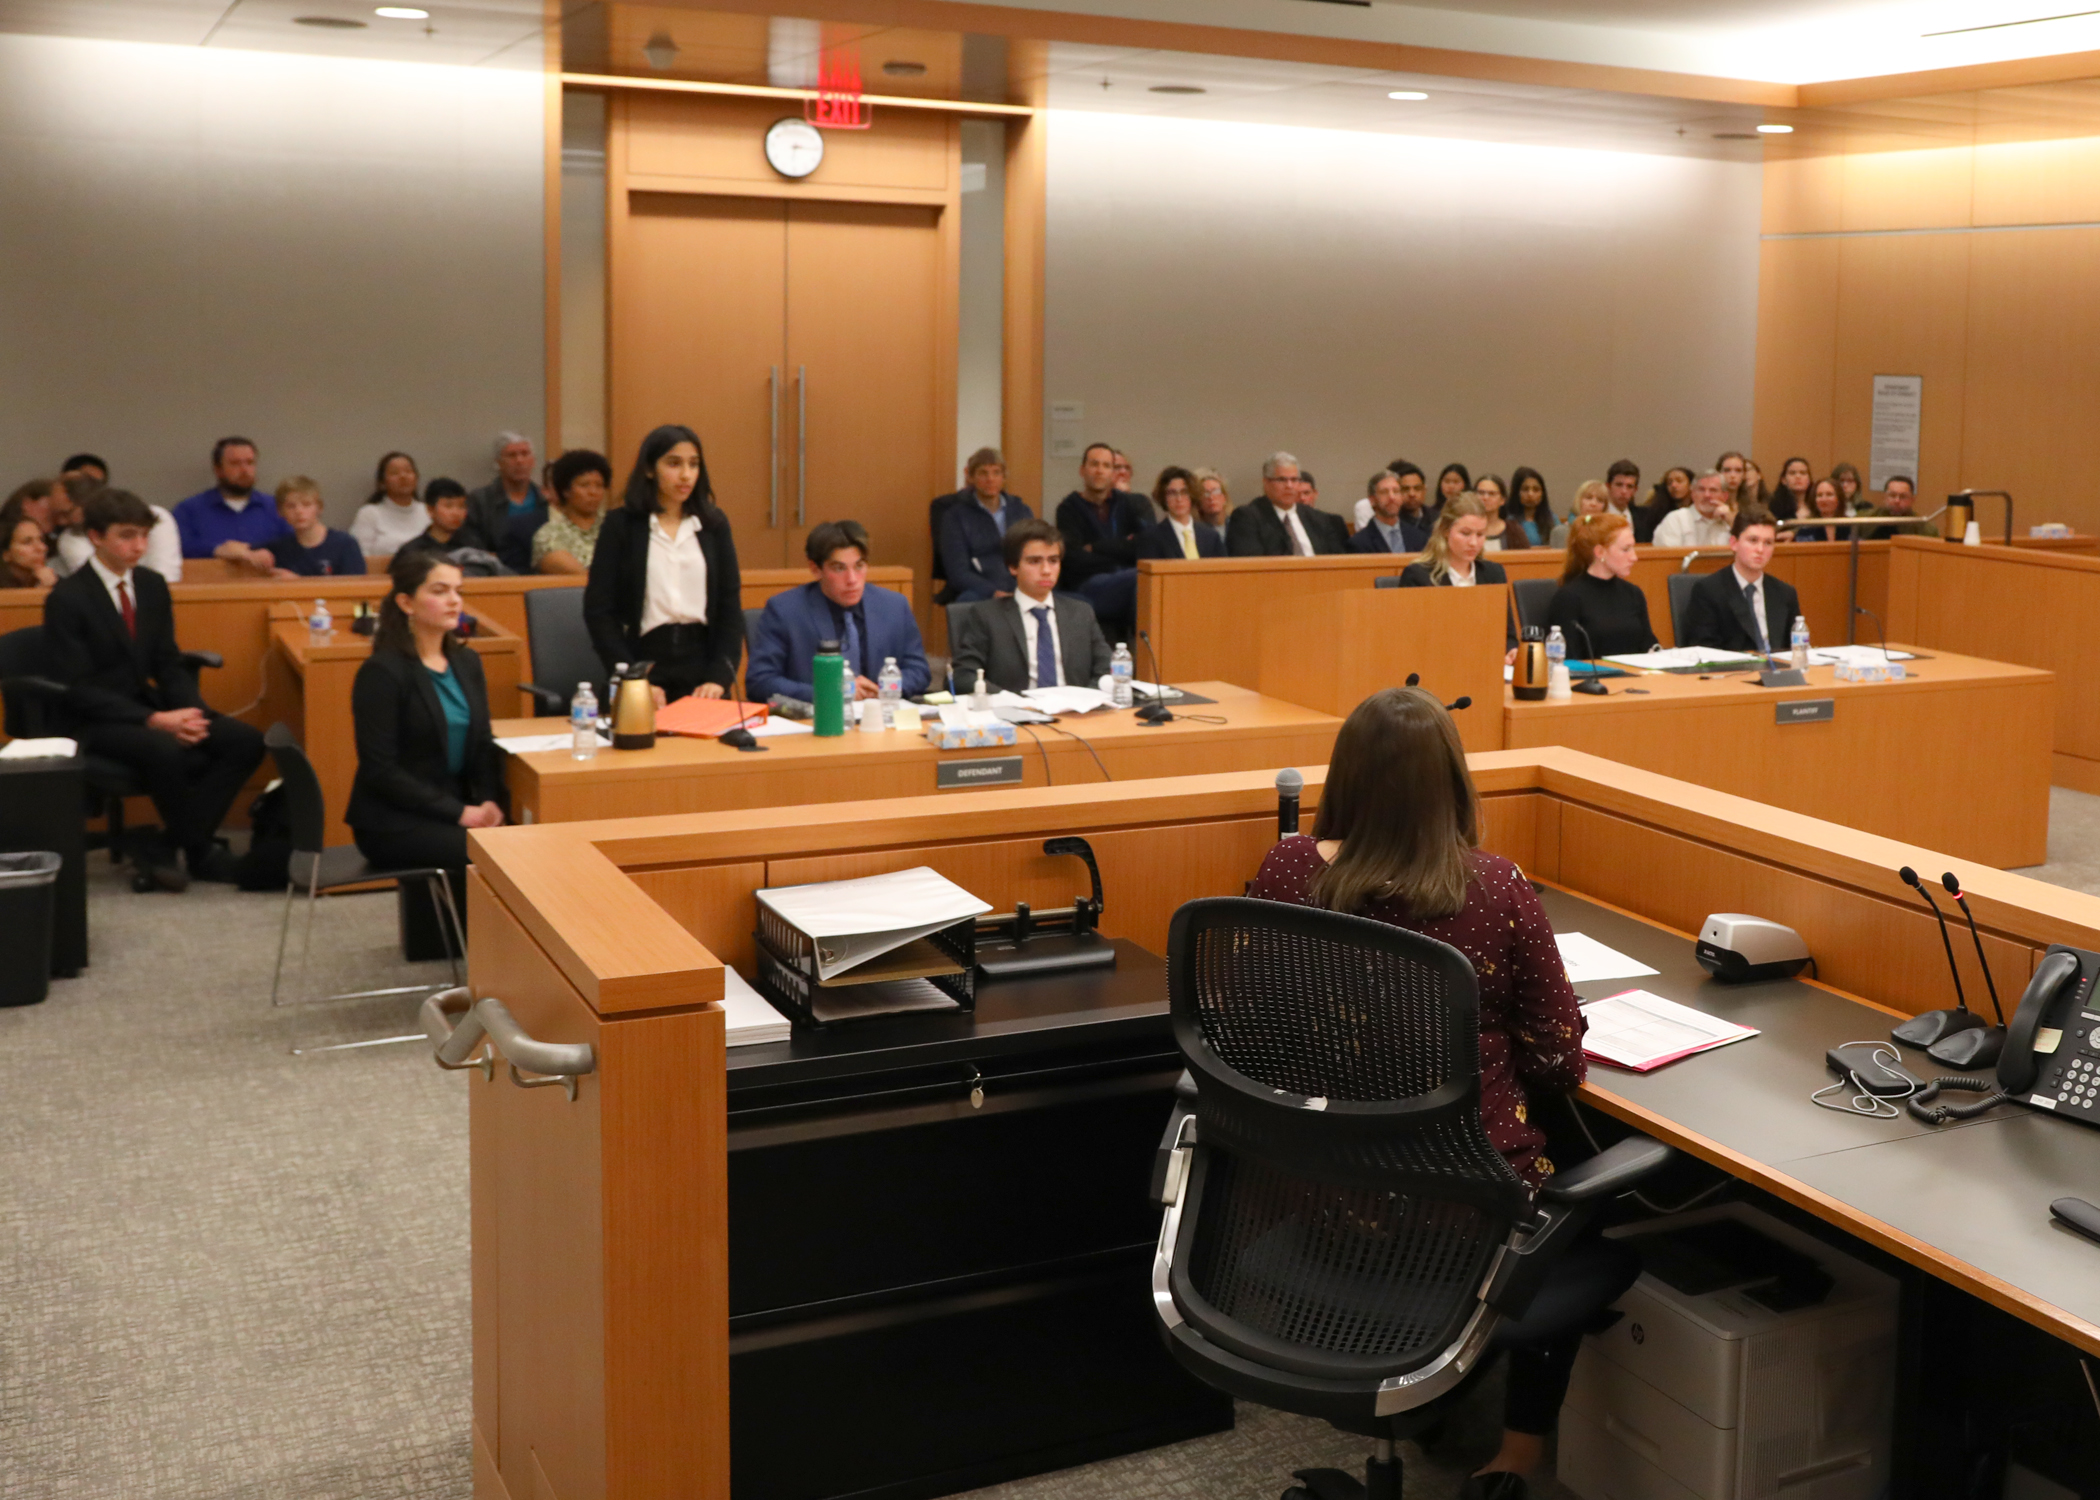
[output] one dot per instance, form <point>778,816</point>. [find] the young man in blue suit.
<point>869,623</point>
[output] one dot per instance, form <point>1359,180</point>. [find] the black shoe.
<point>1498,1485</point>
<point>156,867</point>
<point>219,865</point>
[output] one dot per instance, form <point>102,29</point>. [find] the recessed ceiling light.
<point>900,68</point>
<point>1408,94</point>
<point>1177,88</point>
<point>1775,130</point>
<point>329,23</point>
<point>402,13</point>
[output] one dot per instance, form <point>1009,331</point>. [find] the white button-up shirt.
<point>1028,632</point>
<point>677,572</point>
<point>111,580</point>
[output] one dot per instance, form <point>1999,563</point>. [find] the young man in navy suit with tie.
<point>109,632</point>
<point>1039,636</point>
<point>1744,608</point>
<point>869,623</point>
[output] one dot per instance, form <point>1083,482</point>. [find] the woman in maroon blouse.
<point>1397,839</point>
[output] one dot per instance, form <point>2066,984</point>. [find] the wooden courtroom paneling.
<point>1797,299</point>
<point>713,903</point>
<point>690,144</point>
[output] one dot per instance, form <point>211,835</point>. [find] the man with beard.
<point>227,521</point>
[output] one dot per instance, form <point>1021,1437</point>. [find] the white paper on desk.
<point>535,744</point>
<point>1153,690</point>
<point>1683,656</point>
<point>891,997</point>
<point>1853,656</point>
<point>54,748</point>
<point>775,725</point>
<point>852,921</point>
<point>749,1017</point>
<point>1066,700</point>
<point>1641,1030</point>
<point>1587,959</point>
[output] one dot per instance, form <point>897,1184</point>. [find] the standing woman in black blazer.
<point>426,761</point>
<point>664,585</point>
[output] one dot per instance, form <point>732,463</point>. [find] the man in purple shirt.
<point>229,520</point>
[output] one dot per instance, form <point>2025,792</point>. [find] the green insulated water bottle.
<point>828,674</point>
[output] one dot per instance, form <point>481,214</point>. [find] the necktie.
<point>1300,547</point>
<point>1045,648</point>
<point>852,646</point>
<point>1750,598</point>
<point>131,616</point>
<point>1188,541</point>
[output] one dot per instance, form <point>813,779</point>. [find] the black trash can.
<point>28,885</point>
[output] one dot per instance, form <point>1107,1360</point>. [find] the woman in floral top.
<point>1397,839</point>
<point>580,480</point>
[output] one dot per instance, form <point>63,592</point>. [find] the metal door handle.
<point>801,439</point>
<point>557,1062</point>
<point>773,468</point>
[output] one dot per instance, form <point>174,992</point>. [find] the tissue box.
<point>972,736</point>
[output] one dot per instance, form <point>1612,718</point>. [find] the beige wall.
<point>1977,268</point>
<point>1218,290</point>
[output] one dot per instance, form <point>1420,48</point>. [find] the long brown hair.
<point>1588,536</point>
<point>1436,552</point>
<point>1401,801</point>
<point>405,574</point>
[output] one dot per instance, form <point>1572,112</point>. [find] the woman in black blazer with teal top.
<point>691,626</point>
<point>426,760</point>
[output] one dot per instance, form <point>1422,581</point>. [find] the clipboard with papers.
<point>886,944</point>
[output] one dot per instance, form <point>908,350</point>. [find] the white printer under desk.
<point>1717,1397</point>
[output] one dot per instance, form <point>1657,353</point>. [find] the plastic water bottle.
<point>981,695</point>
<point>583,723</point>
<point>1557,683</point>
<point>320,625</point>
<point>1120,667</point>
<point>1800,644</point>
<point>889,690</point>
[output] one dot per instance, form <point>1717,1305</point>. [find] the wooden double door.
<point>801,339</point>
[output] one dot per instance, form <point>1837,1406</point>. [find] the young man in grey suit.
<point>1035,637</point>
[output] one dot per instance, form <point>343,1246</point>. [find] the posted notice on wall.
<point>1899,405</point>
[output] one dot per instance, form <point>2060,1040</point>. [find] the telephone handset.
<point>2052,1046</point>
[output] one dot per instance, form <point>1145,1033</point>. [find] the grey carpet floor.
<point>226,1271</point>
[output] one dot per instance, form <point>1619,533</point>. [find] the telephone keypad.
<point>2078,1083</point>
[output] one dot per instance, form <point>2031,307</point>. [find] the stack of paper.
<point>852,921</point>
<point>48,749</point>
<point>1685,658</point>
<point>1642,1031</point>
<point>750,1019</point>
<point>1854,656</point>
<point>539,744</point>
<point>1587,959</point>
<point>1067,700</point>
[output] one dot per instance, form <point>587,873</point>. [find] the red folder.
<point>707,718</point>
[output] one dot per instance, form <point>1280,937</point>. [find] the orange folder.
<point>707,718</point>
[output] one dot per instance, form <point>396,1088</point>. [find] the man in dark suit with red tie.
<point>109,633</point>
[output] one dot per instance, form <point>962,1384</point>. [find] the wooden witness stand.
<point>600,1230</point>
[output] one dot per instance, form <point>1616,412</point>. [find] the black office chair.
<point>562,653</point>
<point>316,869</point>
<point>1341,1238</point>
<point>1534,600</point>
<point>29,699</point>
<point>1681,586</point>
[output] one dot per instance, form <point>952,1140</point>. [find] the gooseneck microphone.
<point>1289,785</point>
<point>1979,1046</point>
<point>736,735</point>
<point>1591,683</point>
<point>1464,700</point>
<point>1961,899</point>
<point>1926,1029</point>
<point>1155,712</point>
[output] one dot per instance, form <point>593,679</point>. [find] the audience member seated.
<point>1671,491</point>
<point>72,549</point>
<point>973,531</point>
<point>1733,468</point>
<point>426,761</point>
<point>984,480</point>
<point>1503,534</point>
<point>1393,525</point>
<point>664,584</point>
<point>1451,557</point>
<point>109,633</point>
<point>1125,474</point>
<point>1592,498</point>
<point>1851,488</point>
<point>227,521</point>
<point>1599,609</point>
<point>1703,523</point>
<point>23,554</point>
<point>311,548</point>
<point>1101,525</point>
<point>1899,498</point>
<point>391,516</point>
<point>1753,491</point>
<point>505,514</point>
<point>450,512</point>
<point>567,542</point>
<point>868,622</point>
<point>1180,535</point>
<point>1529,510</point>
<point>1213,502</point>
<point>92,465</point>
<point>33,501</point>
<point>1622,483</point>
<point>1743,608</point>
<point>1791,500</point>
<point>1037,637</point>
<point>1825,502</point>
<point>1397,839</point>
<point>1452,481</point>
<point>1277,525</point>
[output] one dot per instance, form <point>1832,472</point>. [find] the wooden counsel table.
<point>1955,756</point>
<point>698,775</point>
<point>615,1306</point>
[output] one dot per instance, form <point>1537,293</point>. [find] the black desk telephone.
<point>2052,1046</point>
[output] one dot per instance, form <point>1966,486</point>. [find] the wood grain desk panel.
<point>2036,607</point>
<point>694,775</point>
<point>1331,651</point>
<point>1871,766</point>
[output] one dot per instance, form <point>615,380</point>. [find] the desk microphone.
<point>1289,783</point>
<point>1933,1025</point>
<point>1590,683</point>
<point>1979,1046</point>
<point>1414,679</point>
<point>736,734</point>
<point>1155,712</point>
